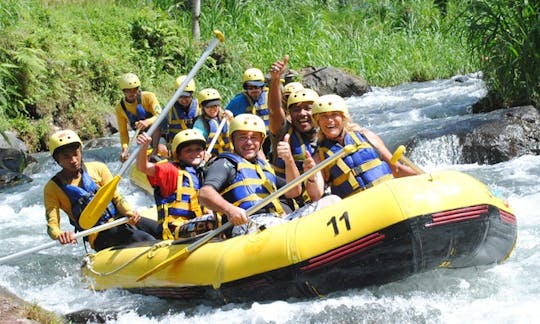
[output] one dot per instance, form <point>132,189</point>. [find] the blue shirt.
<point>239,103</point>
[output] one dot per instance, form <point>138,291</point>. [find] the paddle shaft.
<point>78,235</point>
<point>97,205</point>
<point>219,38</point>
<point>214,140</point>
<point>346,150</point>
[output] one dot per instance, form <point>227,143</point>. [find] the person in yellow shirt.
<point>138,108</point>
<point>73,187</point>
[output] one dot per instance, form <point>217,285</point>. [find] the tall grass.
<point>60,60</point>
<point>506,35</point>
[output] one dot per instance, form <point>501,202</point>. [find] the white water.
<point>506,293</point>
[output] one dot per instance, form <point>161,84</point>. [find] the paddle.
<point>214,140</point>
<point>93,230</point>
<point>184,253</point>
<point>399,155</point>
<point>130,144</point>
<point>104,195</point>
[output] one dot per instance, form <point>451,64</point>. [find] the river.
<point>506,293</point>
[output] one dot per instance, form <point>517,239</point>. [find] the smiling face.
<point>212,111</point>
<point>185,101</point>
<point>254,91</point>
<point>331,124</point>
<point>301,116</point>
<point>191,154</point>
<point>247,144</point>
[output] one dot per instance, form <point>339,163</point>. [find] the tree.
<point>196,14</point>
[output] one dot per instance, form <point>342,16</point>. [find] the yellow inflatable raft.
<point>393,230</point>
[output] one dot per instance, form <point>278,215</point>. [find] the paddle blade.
<point>398,154</point>
<point>93,211</point>
<point>180,255</point>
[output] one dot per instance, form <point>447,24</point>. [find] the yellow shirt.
<point>56,200</point>
<point>149,103</point>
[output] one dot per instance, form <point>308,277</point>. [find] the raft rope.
<point>150,251</point>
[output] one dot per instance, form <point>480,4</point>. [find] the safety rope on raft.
<point>150,251</point>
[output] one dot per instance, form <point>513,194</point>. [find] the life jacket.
<point>259,108</point>
<point>252,183</point>
<point>80,197</point>
<point>181,205</point>
<point>141,112</point>
<point>357,171</point>
<point>223,143</point>
<point>299,146</point>
<point>179,119</point>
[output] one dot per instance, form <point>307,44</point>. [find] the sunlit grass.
<point>86,45</point>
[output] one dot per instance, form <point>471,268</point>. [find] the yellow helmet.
<point>292,87</point>
<point>248,122</point>
<point>190,87</point>
<point>187,137</point>
<point>62,138</point>
<point>209,96</point>
<point>129,81</point>
<point>302,95</point>
<point>329,103</point>
<point>253,77</point>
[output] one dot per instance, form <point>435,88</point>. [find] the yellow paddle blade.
<point>178,256</point>
<point>93,211</point>
<point>398,154</point>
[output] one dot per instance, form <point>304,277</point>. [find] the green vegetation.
<point>506,35</point>
<point>35,313</point>
<point>60,60</point>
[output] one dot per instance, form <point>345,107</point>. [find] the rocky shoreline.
<point>15,310</point>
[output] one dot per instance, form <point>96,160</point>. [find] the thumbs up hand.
<point>284,149</point>
<point>309,162</point>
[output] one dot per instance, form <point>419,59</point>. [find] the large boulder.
<point>15,162</point>
<point>515,133</point>
<point>327,80</point>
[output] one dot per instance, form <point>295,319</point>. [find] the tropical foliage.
<point>60,60</point>
<point>505,34</point>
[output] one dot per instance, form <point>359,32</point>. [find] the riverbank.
<point>15,310</point>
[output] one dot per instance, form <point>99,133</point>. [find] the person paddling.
<point>176,185</point>
<point>360,170</point>
<point>71,189</point>
<point>139,109</point>
<point>182,115</point>
<point>211,117</point>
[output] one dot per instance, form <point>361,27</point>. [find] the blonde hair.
<point>348,126</point>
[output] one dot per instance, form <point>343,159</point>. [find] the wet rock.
<point>89,316</point>
<point>327,80</point>
<point>9,140</point>
<point>111,124</point>
<point>15,164</point>
<point>515,133</point>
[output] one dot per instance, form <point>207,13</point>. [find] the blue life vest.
<point>80,197</point>
<point>300,144</point>
<point>357,171</point>
<point>259,108</point>
<point>253,182</point>
<point>179,119</point>
<point>223,143</point>
<point>141,112</point>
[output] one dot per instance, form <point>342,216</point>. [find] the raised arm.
<point>277,113</point>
